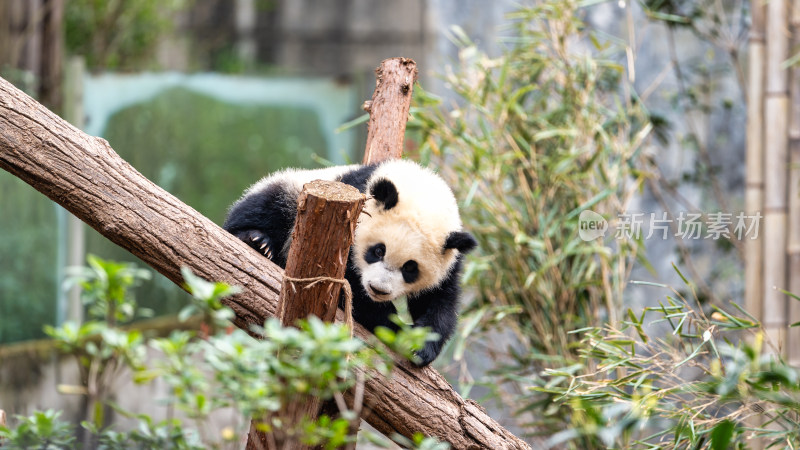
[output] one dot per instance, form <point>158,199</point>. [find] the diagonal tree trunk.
<point>83,174</point>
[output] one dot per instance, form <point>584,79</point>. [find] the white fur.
<point>415,229</point>
<point>296,178</point>
<point>384,278</point>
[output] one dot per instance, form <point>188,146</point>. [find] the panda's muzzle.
<point>377,292</point>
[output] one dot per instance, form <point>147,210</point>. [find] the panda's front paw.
<point>426,355</point>
<point>258,241</point>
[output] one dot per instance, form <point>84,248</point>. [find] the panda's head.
<point>409,235</point>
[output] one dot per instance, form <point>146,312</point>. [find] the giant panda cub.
<point>408,241</point>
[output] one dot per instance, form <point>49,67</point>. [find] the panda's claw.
<point>258,240</point>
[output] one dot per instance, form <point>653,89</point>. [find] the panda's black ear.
<point>384,191</point>
<point>460,240</point>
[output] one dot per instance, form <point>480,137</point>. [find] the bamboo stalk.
<point>777,40</point>
<point>5,32</point>
<point>754,190</point>
<point>775,235</point>
<point>76,234</point>
<point>776,109</point>
<point>793,250</point>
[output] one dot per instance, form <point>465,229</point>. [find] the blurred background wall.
<point>203,97</point>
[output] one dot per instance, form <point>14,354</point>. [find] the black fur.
<point>460,240</point>
<point>264,220</point>
<point>384,192</point>
<point>374,253</point>
<point>265,217</point>
<point>437,308</point>
<point>358,178</point>
<point>410,271</point>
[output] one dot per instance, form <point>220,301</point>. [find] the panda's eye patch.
<point>375,253</point>
<point>410,271</point>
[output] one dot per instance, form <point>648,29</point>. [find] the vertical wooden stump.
<point>327,212</point>
<point>323,232</point>
<point>388,109</point>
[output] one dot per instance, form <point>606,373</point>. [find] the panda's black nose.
<point>377,291</point>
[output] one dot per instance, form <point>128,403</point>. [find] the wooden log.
<point>83,174</point>
<point>388,109</point>
<point>327,212</point>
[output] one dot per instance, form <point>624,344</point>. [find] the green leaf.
<point>385,335</point>
<point>347,125</point>
<point>597,198</point>
<point>794,296</point>
<point>680,274</point>
<point>721,435</point>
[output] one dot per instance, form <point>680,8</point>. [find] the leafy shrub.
<point>117,35</point>
<point>710,381</point>
<point>538,135</point>
<point>219,367</point>
<point>42,430</point>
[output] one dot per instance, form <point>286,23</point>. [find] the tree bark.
<point>388,109</point>
<point>83,174</point>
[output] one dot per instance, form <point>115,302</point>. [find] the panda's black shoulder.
<point>359,176</point>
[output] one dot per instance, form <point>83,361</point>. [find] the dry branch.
<point>83,174</point>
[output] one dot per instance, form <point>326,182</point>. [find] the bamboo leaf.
<point>721,435</point>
